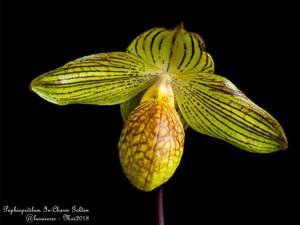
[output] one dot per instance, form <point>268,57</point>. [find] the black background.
<point>54,155</point>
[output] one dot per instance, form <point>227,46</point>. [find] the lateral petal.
<point>100,79</point>
<point>212,105</point>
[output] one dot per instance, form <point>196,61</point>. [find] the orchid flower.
<point>164,83</point>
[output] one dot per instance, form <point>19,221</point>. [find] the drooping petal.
<point>174,51</point>
<point>212,105</point>
<point>100,79</point>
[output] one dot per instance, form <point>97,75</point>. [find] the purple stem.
<point>160,207</point>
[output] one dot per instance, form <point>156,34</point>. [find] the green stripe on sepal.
<point>100,79</point>
<point>212,105</point>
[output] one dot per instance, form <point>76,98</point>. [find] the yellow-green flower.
<point>164,83</point>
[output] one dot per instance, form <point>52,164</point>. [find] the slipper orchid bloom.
<point>164,82</point>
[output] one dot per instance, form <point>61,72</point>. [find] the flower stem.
<point>160,207</point>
